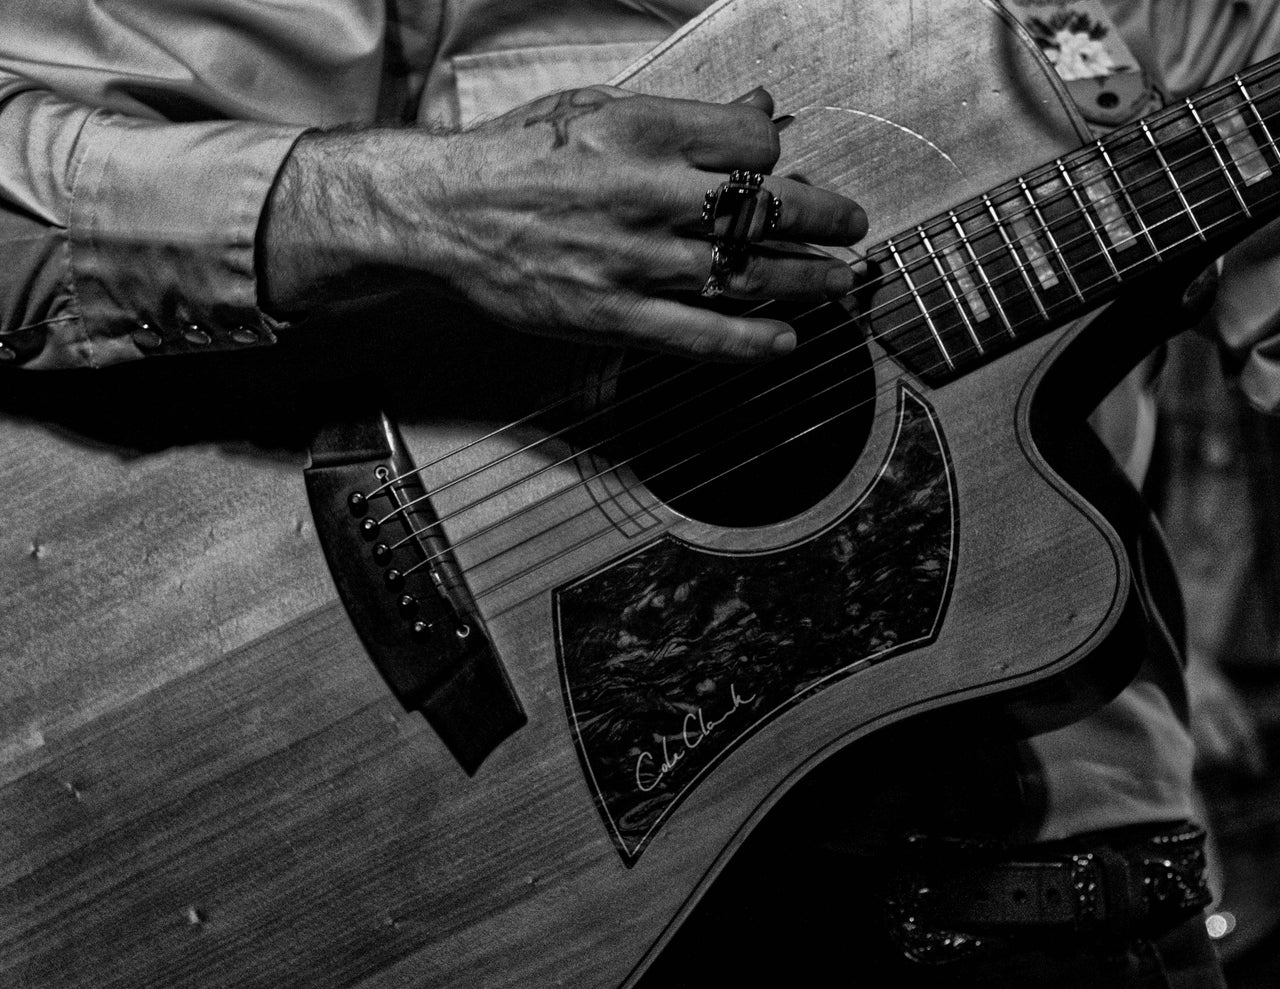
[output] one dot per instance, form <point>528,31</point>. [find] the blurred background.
<point>1216,485</point>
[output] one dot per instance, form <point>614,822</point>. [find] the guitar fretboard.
<point>1027,256</point>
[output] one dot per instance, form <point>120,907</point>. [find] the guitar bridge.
<point>403,589</point>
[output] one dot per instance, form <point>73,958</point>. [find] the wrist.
<point>348,219</point>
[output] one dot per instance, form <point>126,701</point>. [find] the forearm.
<point>350,217</point>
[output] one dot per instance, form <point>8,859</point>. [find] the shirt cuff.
<point>162,231</point>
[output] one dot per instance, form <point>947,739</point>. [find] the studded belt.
<point>953,899</point>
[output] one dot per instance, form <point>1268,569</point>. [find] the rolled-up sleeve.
<point>138,146</point>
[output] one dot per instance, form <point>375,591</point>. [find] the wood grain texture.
<point>204,783</point>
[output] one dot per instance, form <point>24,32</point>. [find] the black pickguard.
<point>674,654</point>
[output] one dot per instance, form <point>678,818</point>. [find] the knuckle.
<point>763,137</point>
<point>703,342</point>
<point>754,279</point>
<point>649,121</point>
<point>609,318</point>
<point>750,136</point>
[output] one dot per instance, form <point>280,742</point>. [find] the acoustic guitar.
<point>636,600</point>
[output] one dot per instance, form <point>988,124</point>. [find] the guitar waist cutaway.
<point>403,589</point>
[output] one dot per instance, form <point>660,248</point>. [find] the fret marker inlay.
<point>1032,249</point>
<point>1241,146</point>
<point>968,289</point>
<point>1107,205</point>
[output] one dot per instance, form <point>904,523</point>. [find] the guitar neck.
<point>1029,255</point>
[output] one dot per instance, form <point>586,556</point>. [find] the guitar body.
<point>204,781</point>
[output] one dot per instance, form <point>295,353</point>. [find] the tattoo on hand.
<point>571,105</point>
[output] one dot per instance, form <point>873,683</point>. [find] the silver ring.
<point>729,211</point>
<point>722,264</point>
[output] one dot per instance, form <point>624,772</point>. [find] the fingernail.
<point>839,281</point>
<point>784,343</point>
<point>782,123</point>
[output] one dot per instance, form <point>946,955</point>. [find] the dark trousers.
<point>813,917</point>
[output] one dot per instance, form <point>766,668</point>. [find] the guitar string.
<point>642,453</point>
<point>1158,176</point>
<point>1069,194</point>
<point>472,568</point>
<point>1154,177</point>
<point>592,537</point>
<point>616,465</point>
<point>602,441</point>
<point>596,444</point>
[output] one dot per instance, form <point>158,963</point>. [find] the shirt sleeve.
<point>138,145</point>
<point>124,236</point>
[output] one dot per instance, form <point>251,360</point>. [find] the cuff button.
<point>195,336</point>
<point>146,336</point>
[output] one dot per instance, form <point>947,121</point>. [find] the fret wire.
<point>1166,115</point>
<point>1173,181</point>
<point>995,217</point>
<point>1221,163</point>
<point>1131,269</point>
<point>1266,131</point>
<point>1084,210</point>
<point>1134,268</point>
<point>1256,74</point>
<point>937,263</point>
<point>1217,223</point>
<point>1053,243</point>
<point>486,591</point>
<point>1127,198</point>
<point>924,311</point>
<point>982,273</point>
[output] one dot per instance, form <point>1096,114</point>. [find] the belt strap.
<point>951,897</point>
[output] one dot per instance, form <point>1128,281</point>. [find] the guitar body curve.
<point>205,783</point>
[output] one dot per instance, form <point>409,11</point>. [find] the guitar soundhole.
<point>739,446</point>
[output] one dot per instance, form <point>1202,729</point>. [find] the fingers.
<point>807,215</point>
<point>768,276</point>
<point>768,273</point>
<point>816,216</point>
<point>708,141</point>
<point>675,328</point>
<point>712,136</point>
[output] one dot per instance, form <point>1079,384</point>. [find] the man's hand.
<point>577,215</point>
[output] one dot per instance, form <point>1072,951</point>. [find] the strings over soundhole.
<point>736,445</point>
